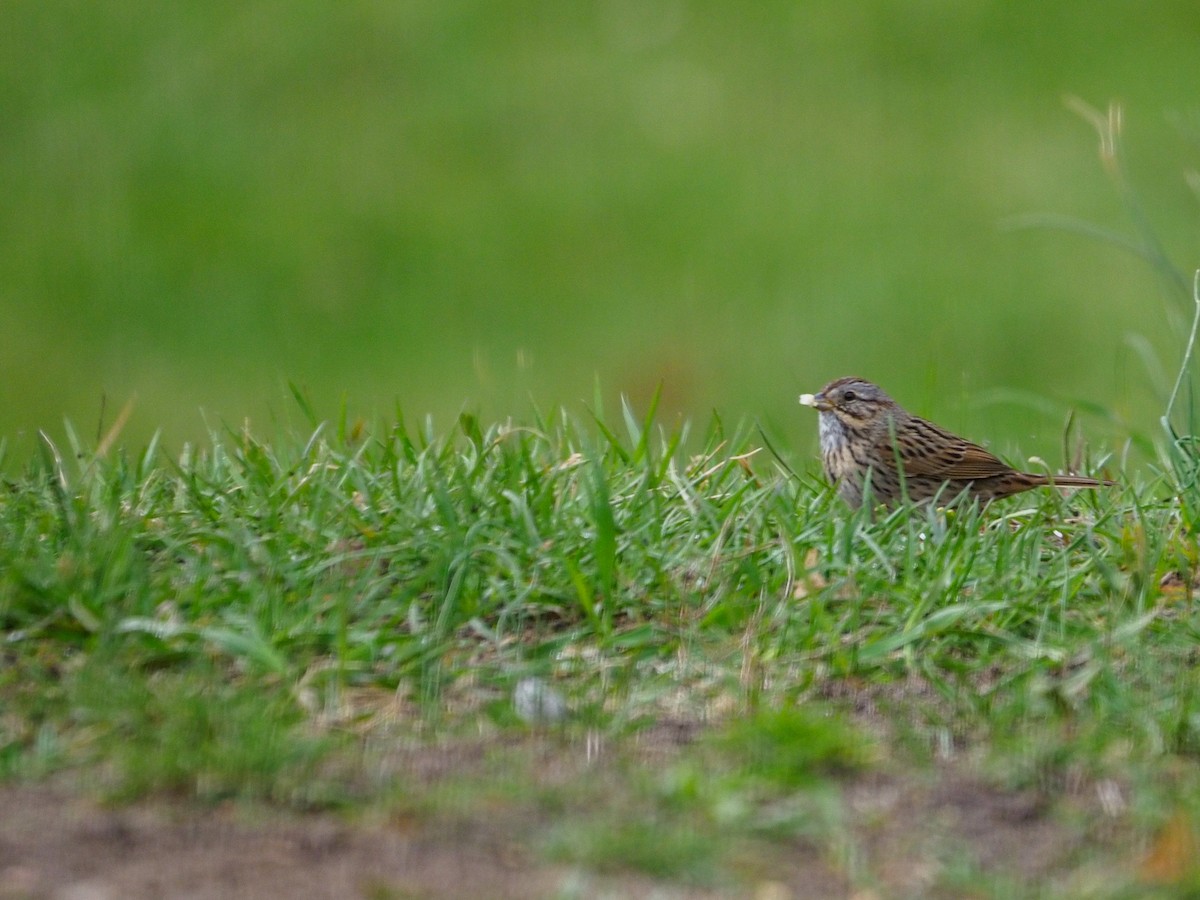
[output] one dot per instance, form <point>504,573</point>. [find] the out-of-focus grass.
<point>457,204</point>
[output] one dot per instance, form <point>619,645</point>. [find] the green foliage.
<point>207,622</point>
<point>447,201</point>
<point>394,557</point>
<point>192,733</point>
<point>209,625</point>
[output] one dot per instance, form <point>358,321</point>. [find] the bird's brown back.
<point>866,437</point>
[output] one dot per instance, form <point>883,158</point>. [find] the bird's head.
<point>854,402</point>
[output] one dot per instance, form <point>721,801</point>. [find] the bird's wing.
<point>927,449</point>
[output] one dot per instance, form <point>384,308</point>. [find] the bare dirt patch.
<point>57,846</point>
<point>902,832</point>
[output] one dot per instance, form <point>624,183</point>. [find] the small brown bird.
<point>863,430</point>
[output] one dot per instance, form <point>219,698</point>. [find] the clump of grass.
<point>393,557</point>
<point>662,849</point>
<point>792,746</point>
<point>209,624</point>
<point>192,733</point>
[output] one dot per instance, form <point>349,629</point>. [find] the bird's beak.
<point>816,401</point>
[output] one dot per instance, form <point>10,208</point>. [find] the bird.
<point>872,445</point>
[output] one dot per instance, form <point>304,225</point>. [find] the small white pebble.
<point>1111,800</point>
<point>537,703</point>
<point>808,400</point>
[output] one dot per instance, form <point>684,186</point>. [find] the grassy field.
<point>640,667</point>
<point>433,514</point>
<point>468,205</point>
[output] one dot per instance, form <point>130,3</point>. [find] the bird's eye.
<point>849,396</point>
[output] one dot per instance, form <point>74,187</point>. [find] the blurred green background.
<point>482,205</point>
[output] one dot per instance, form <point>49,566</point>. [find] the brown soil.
<point>55,844</point>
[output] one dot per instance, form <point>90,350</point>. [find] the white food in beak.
<point>808,400</point>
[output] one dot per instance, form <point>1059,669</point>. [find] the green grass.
<point>264,619</point>
<point>329,612</point>
<point>475,203</point>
